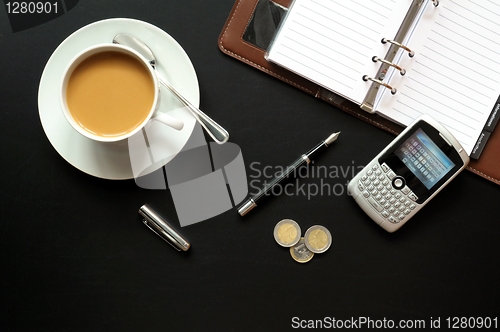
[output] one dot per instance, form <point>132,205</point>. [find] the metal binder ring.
<point>411,54</point>
<point>436,3</point>
<point>401,70</point>
<point>368,78</point>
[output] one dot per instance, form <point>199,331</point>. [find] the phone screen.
<point>424,158</point>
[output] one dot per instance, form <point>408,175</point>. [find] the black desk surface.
<point>75,255</point>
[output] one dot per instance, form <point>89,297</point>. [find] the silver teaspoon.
<point>219,134</point>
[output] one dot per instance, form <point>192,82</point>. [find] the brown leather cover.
<point>231,42</point>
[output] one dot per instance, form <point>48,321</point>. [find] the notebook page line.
<point>472,23</point>
<point>346,9</point>
<point>437,104</point>
<point>291,51</point>
<point>414,107</point>
<point>406,106</point>
<point>331,12</point>
<point>471,41</point>
<point>442,71</point>
<point>464,58</point>
<point>331,61</point>
<point>318,39</point>
<point>454,90</point>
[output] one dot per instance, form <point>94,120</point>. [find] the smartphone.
<point>408,173</point>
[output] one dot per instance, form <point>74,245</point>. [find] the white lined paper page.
<point>455,74</point>
<point>332,42</point>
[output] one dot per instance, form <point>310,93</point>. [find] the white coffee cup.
<point>146,113</point>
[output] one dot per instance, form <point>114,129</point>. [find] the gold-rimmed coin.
<point>287,232</point>
<point>317,239</point>
<point>300,253</point>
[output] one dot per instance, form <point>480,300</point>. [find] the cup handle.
<point>168,120</point>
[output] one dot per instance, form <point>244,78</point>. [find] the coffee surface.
<point>110,94</point>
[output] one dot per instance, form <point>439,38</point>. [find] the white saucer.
<point>112,161</point>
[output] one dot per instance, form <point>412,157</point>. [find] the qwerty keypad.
<point>376,186</point>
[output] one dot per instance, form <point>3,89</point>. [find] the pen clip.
<point>159,231</point>
<point>161,228</point>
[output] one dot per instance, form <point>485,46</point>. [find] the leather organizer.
<point>246,35</point>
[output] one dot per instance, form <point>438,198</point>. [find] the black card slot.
<point>264,23</point>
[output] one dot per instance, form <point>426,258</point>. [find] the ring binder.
<point>411,54</point>
<point>368,78</point>
<point>401,70</point>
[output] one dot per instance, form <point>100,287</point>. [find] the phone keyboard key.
<point>375,204</point>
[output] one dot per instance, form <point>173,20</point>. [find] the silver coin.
<point>300,253</point>
<point>287,233</point>
<point>318,239</point>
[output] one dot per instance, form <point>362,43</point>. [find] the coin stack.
<point>316,240</point>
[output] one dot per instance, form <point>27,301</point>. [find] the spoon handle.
<point>219,134</point>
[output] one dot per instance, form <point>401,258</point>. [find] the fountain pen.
<point>304,159</point>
